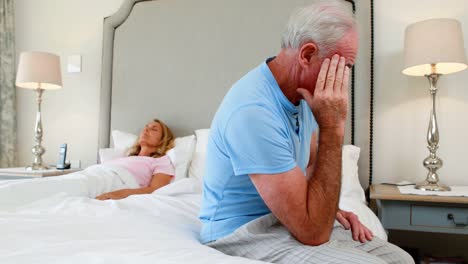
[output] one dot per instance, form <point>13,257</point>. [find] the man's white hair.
<point>323,22</point>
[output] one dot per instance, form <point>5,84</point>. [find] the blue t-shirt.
<point>256,130</point>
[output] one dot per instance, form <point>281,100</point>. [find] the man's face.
<point>346,47</point>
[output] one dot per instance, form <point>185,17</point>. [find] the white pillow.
<point>352,196</point>
<point>197,166</point>
<point>106,154</point>
<point>123,140</point>
<point>350,186</point>
<point>183,152</point>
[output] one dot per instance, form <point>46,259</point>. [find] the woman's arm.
<point>157,181</point>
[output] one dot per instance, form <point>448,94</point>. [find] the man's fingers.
<point>355,226</point>
<point>332,73</point>
<point>362,234</point>
<point>322,77</point>
<point>369,234</point>
<point>306,94</point>
<point>339,75</point>
<point>359,231</point>
<point>343,221</point>
<point>345,83</point>
<point>355,229</point>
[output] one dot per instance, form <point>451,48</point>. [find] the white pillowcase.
<point>106,154</point>
<point>350,186</point>
<point>123,140</point>
<point>352,196</point>
<point>183,152</point>
<point>197,166</point>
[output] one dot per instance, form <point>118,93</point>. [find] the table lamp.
<point>39,71</point>
<point>433,48</point>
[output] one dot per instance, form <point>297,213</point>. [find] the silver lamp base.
<point>426,186</point>
<point>432,163</point>
<point>38,150</point>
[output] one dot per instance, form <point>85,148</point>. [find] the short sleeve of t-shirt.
<point>163,165</point>
<point>257,142</point>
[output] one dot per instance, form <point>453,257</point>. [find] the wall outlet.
<point>74,64</point>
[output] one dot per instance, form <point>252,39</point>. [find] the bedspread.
<point>156,228</point>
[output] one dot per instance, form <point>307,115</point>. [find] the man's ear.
<point>306,53</point>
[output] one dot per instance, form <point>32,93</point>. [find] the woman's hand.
<point>115,195</point>
<point>350,220</point>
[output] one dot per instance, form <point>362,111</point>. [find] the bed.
<point>174,60</point>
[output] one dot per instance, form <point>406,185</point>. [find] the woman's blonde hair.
<point>167,142</point>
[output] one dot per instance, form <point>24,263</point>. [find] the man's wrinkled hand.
<point>330,100</point>
<point>358,230</point>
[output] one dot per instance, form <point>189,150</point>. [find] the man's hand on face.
<point>358,230</point>
<point>330,100</point>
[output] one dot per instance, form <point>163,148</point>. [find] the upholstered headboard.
<point>176,59</point>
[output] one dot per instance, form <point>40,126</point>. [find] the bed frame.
<point>176,59</point>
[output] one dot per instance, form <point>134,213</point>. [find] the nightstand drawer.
<point>439,217</point>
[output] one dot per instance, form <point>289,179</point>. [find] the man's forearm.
<point>324,185</point>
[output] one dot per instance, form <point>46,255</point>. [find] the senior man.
<point>271,186</point>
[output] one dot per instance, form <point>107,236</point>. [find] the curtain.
<point>7,85</point>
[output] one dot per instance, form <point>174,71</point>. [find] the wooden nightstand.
<point>22,173</point>
<point>420,212</point>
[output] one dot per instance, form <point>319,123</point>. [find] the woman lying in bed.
<point>147,161</point>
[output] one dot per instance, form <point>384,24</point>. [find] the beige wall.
<point>403,103</point>
<point>402,113</point>
<point>70,115</point>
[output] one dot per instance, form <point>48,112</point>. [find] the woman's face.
<point>151,135</point>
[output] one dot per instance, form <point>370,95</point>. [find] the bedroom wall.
<point>403,102</point>
<point>402,113</point>
<point>70,115</point>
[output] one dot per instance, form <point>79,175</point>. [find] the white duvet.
<point>65,228</point>
<point>56,220</point>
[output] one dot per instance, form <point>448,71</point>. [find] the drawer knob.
<point>457,224</point>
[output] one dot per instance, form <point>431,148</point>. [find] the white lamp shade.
<point>434,41</point>
<point>39,70</point>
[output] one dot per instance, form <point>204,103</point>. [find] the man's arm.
<point>308,206</point>
<point>313,154</point>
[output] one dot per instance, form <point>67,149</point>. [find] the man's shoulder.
<point>249,94</point>
<point>244,112</point>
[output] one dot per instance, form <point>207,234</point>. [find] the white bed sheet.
<point>57,220</point>
<point>161,227</point>
<point>90,182</point>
